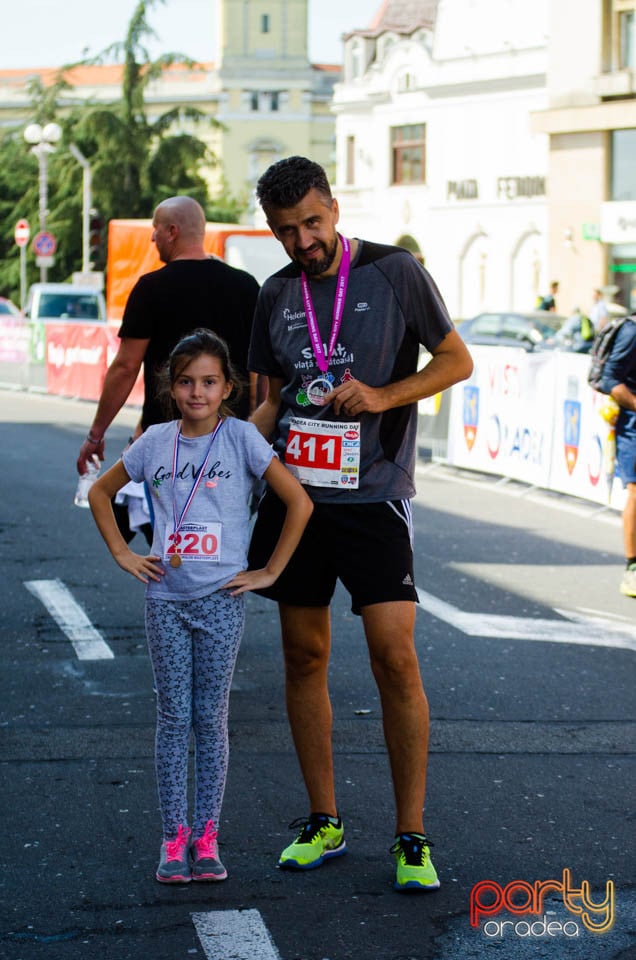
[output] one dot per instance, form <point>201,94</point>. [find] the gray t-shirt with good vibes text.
<point>215,532</point>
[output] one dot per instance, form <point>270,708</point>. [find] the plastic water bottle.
<point>86,481</point>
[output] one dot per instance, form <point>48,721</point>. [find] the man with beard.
<point>192,290</point>
<point>337,332</point>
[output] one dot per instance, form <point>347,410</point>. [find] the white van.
<point>65,301</point>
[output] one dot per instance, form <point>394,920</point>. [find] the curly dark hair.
<point>286,182</point>
<point>200,342</point>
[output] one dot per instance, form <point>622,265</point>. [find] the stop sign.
<point>22,233</point>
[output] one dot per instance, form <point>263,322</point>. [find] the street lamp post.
<point>43,140</point>
<point>86,205</point>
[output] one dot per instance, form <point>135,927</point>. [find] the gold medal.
<point>175,560</point>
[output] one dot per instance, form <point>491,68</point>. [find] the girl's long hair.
<point>201,342</point>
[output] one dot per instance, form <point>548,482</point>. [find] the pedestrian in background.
<point>549,301</point>
<point>337,332</point>
<point>201,469</point>
<point>598,311</point>
<point>192,290</point>
<point>576,333</point>
<point>619,381</point>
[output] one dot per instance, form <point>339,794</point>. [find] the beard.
<point>314,268</point>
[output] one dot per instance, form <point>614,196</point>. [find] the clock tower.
<point>262,36</point>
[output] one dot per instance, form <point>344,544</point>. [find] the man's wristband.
<point>92,439</point>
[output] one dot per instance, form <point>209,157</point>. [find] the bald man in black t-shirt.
<point>192,290</point>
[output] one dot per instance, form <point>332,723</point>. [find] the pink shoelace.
<point>205,846</point>
<point>175,848</point>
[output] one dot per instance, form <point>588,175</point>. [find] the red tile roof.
<point>87,75</point>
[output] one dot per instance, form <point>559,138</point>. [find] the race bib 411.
<point>324,453</point>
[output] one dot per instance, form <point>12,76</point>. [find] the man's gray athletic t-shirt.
<point>238,457</point>
<point>392,307</point>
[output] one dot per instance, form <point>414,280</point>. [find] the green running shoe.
<point>318,840</point>
<point>415,870</point>
<point>628,583</point>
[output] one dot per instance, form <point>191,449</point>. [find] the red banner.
<point>76,359</point>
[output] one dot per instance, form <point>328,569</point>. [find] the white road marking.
<point>603,614</point>
<point>596,631</point>
<point>239,934</point>
<point>87,642</point>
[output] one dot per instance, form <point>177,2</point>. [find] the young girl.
<point>200,470</point>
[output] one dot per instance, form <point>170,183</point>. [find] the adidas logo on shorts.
<point>408,581</point>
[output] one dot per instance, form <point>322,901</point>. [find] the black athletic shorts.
<point>365,545</point>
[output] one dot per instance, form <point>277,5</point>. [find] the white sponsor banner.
<point>533,417</point>
<point>501,419</point>
<point>580,461</point>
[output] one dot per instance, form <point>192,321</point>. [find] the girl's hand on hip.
<point>143,568</point>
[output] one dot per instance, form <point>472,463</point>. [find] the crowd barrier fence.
<point>64,358</point>
<point>530,417</point>
<point>533,417</point>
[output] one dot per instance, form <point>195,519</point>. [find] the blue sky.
<point>42,33</point>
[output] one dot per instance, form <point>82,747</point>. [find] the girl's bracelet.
<point>92,440</point>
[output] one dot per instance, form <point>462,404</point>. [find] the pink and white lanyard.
<point>338,309</point>
<point>197,479</point>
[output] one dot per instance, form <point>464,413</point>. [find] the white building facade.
<point>591,124</point>
<point>434,146</point>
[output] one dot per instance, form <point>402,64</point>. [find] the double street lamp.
<point>43,140</point>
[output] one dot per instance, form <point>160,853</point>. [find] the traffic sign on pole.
<point>22,233</point>
<point>44,244</point>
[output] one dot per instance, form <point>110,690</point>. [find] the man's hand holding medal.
<point>352,398</point>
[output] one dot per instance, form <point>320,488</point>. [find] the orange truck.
<point>132,253</point>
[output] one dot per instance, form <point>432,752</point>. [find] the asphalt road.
<point>527,651</point>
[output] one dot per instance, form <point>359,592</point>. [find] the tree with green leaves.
<point>136,162</point>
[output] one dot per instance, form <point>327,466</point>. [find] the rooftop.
<point>400,16</point>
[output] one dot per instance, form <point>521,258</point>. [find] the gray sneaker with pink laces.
<point>174,859</point>
<point>205,859</point>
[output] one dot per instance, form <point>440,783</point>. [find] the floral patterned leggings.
<point>193,646</point>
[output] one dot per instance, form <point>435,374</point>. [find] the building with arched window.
<point>481,136</point>
<point>435,149</point>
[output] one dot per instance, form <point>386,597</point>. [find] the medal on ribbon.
<point>321,386</point>
<point>175,560</point>
<point>317,390</point>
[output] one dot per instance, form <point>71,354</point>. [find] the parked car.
<point>8,308</point>
<point>64,301</point>
<point>509,328</point>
